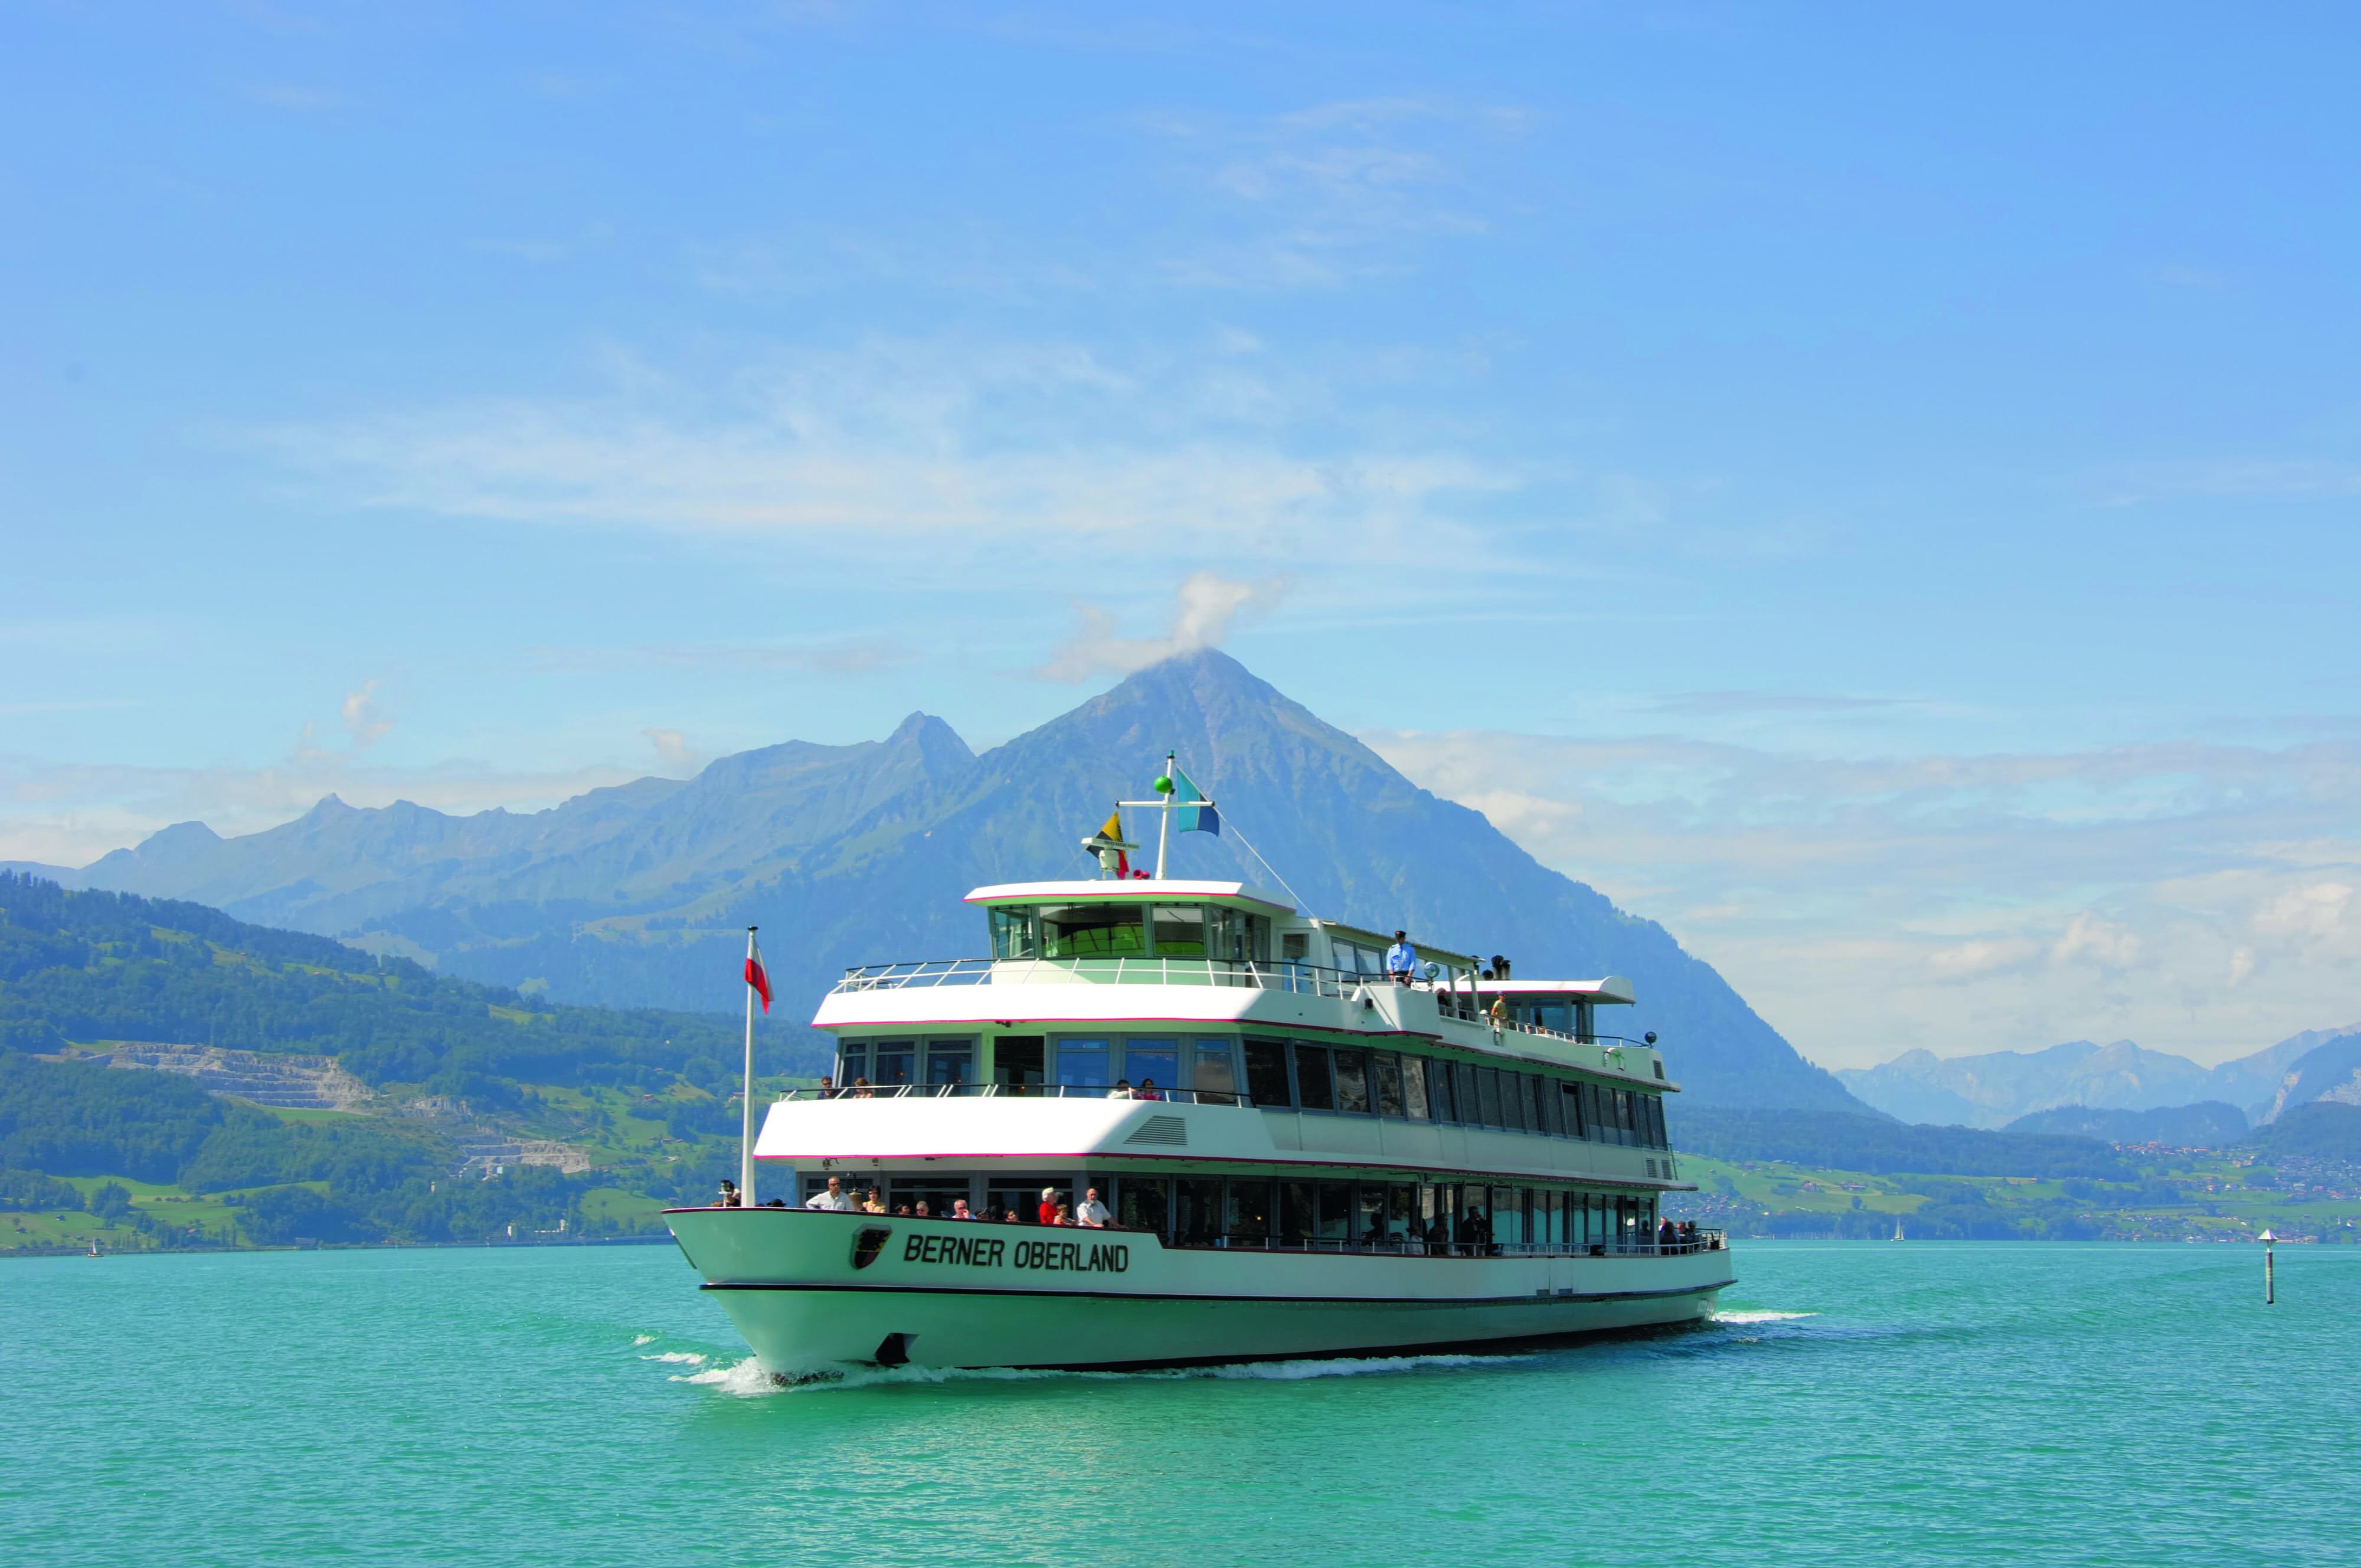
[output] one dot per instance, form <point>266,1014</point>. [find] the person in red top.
<point>1049,1211</point>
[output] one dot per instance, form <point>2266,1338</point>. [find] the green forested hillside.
<point>642,1093</point>
<point>90,967</point>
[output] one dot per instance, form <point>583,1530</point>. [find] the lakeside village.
<point>2183,1194</point>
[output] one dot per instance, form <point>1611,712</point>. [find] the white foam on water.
<point>746,1380</point>
<point>1295,1371</point>
<point>749,1377</point>
<point>1761,1317</point>
<point>643,1339</point>
<point>686,1357</point>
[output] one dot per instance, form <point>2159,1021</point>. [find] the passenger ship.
<point>1302,1156</point>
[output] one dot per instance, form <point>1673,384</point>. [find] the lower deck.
<point>809,1289</point>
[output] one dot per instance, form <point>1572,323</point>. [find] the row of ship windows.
<point>1262,1212</point>
<point>1279,1074</point>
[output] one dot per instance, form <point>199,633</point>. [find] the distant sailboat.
<point>1897,1230</point>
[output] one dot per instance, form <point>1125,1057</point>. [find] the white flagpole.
<point>1164,823</point>
<point>746,1128</point>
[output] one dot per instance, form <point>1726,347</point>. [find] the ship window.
<point>1143,1203</point>
<point>1267,1073</point>
<point>1248,1219</point>
<point>1507,1215</point>
<point>1295,944</point>
<point>938,1193</point>
<point>1569,1111</point>
<point>1335,1211</point>
<point>1546,1100</point>
<point>892,1062</point>
<point>1353,1081</point>
<point>1558,1016</point>
<point>1017,1060</point>
<point>1656,1138</point>
<point>1237,937</point>
<point>851,1062</point>
<point>1016,934</point>
<point>1386,1086</point>
<point>1464,1099</point>
<point>1312,1090</point>
<point>1517,1102</point>
<point>1488,1096</point>
<point>1196,1211</point>
<point>1180,931</point>
<point>1216,1068</point>
<point>1370,1211</point>
<point>1623,1124</point>
<point>1298,1212</point>
<point>1158,1060</point>
<point>1413,1071</point>
<point>951,1061</point>
<point>1439,1087</point>
<point>1004,1192</point>
<point>1083,1063</point>
<point>1594,1126</point>
<point>1401,1212</point>
<point>1092,931</point>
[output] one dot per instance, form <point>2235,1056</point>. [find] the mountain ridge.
<point>1996,1089</point>
<point>639,894</point>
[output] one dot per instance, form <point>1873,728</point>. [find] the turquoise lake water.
<point>1864,1402</point>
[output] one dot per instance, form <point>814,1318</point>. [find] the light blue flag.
<point>1196,813</point>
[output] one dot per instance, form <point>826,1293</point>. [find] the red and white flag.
<point>756,976</point>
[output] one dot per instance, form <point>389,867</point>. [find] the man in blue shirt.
<point>1401,959</point>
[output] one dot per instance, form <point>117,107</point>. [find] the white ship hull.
<point>947,1294</point>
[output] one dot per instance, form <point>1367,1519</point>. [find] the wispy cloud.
<point>974,448</point>
<point>1336,187</point>
<point>1208,604</point>
<point>2194,897</point>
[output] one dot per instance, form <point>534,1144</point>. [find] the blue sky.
<point>1873,490</point>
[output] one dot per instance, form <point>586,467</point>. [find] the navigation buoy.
<point>2270,1285</point>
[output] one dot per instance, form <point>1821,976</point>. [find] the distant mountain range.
<point>638,896</point>
<point>2002,1088</point>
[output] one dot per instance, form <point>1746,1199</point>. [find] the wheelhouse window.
<point>1016,933</point>
<point>851,1062</point>
<point>1093,931</point>
<point>1180,931</point>
<point>1236,937</point>
<point>1386,1083</point>
<point>894,1058</point>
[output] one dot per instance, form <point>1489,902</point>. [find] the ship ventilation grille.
<point>1160,1130</point>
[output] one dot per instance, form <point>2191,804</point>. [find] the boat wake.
<point>750,1379</point>
<point>1761,1317</point>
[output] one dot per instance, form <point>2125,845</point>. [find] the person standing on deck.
<point>1401,959</point>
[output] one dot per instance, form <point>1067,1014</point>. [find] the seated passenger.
<point>835,1198</point>
<point>1061,1217</point>
<point>959,1209</point>
<point>903,1213</point>
<point>728,1197</point>
<point>1121,1089</point>
<point>861,1090</point>
<point>777,1203</point>
<point>874,1204</point>
<point>1092,1212</point>
<point>1047,1213</point>
<point>1147,1090</point>
<point>1010,1218</point>
<point>922,1214</point>
<point>827,1087</point>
